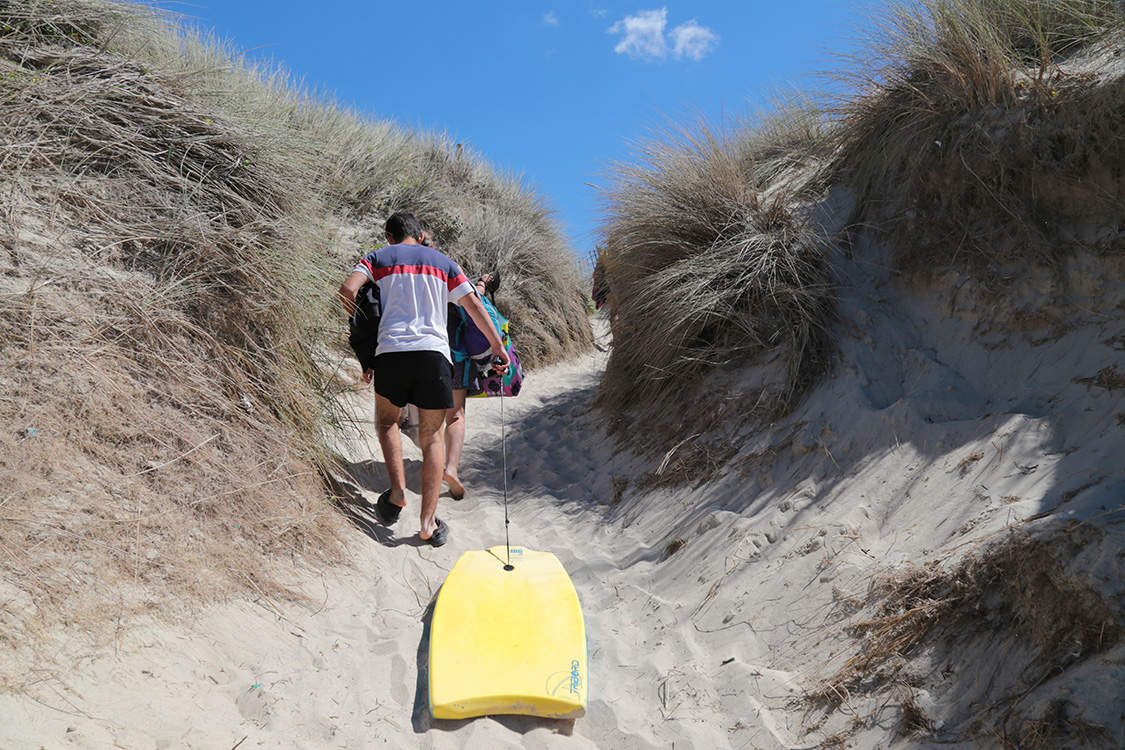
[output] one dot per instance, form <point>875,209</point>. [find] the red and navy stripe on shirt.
<point>416,282</point>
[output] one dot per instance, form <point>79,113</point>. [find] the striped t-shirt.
<point>416,283</point>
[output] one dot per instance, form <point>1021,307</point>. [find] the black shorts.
<point>424,379</point>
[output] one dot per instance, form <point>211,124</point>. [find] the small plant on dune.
<point>1109,377</point>
<point>708,269</point>
<point>1061,725</point>
<point>1011,592</point>
<point>968,144</point>
<point>965,465</point>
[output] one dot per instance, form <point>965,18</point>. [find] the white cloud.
<point>550,19</point>
<point>599,13</point>
<point>643,36</point>
<point>692,40</point>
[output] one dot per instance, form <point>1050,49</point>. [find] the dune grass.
<point>976,135</point>
<point>160,303</point>
<point>1018,591</point>
<point>711,264</point>
<point>969,144</point>
<point>169,253</point>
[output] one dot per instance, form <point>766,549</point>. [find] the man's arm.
<point>475,308</point>
<point>349,289</point>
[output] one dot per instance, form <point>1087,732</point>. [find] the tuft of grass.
<point>965,465</point>
<point>710,264</point>
<point>913,721</point>
<point>1108,377</point>
<point>1018,590</point>
<point>967,142</point>
<point>1061,725</point>
<point>673,546</point>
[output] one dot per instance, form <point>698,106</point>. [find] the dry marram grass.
<point>979,135</point>
<point>709,269</point>
<point>167,267</point>
<point>970,144</point>
<point>155,446</point>
<point>1013,592</point>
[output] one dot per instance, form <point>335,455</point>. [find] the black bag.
<point>364,324</point>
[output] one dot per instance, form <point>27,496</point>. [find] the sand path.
<point>933,438</point>
<point>350,673</point>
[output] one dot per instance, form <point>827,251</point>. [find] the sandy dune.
<point>935,436</point>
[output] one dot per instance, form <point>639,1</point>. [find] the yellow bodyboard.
<point>507,641</point>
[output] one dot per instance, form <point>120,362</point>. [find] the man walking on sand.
<point>412,363</point>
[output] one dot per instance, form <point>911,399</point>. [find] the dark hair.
<point>401,225</point>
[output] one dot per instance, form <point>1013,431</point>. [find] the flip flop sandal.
<point>440,535</point>
<point>388,512</point>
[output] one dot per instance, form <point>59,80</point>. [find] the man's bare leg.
<point>430,423</point>
<point>454,441</point>
<point>390,440</point>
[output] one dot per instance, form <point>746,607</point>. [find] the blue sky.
<point>552,91</point>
